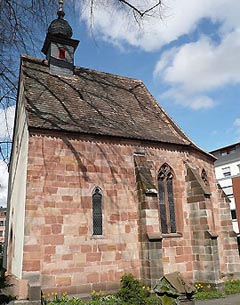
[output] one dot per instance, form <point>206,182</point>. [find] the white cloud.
<point>3,183</point>
<point>195,102</point>
<point>117,25</point>
<point>6,122</point>
<point>236,125</point>
<point>192,69</point>
<point>237,122</point>
<point>200,67</point>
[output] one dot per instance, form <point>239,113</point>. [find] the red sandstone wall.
<point>62,174</point>
<point>236,191</point>
<point>58,226</point>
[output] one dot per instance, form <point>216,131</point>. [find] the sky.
<point>189,59</point>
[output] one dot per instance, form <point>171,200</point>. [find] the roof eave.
<point>186,146</point>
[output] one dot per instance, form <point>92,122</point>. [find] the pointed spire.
<point>60,12</point>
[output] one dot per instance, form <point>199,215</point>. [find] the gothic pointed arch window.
<point>97,211</point>
<point>166,199</point>
<point>204,177</point>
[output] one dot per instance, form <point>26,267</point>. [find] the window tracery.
<point>166,199</point>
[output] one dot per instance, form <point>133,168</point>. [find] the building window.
<point>166,200</point>
<point>224,153</point>
<point>228,190</point>
<point>226,171</point>
<point>97,211</point>
<point>2,223</point>
<point>228,151</point>
<point>233,214</point>
<point>204,177</point>
<point>232,151</point>
<point>61,53</point>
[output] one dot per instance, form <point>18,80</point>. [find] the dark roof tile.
<point>95,102</point>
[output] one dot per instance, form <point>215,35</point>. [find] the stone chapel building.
<point>103,183</point>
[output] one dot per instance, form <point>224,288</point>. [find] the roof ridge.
<point>78,68</point>
<point>107,73</point>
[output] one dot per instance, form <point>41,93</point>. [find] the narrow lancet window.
<point>204,177</point>
<point>166,200</point>
<point>97,212</point>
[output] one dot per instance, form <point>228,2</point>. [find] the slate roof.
<point>93,102</point>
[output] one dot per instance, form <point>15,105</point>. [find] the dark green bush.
<point>134,292</point>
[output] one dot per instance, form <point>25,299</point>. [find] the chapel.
<point>103,183</point>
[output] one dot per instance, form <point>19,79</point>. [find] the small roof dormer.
<point>59,47</point>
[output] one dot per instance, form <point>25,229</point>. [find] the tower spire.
<point>58,46</point>
<point>60,12</point>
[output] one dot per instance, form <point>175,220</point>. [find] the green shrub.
<point>206,291</point>
<point>232,286</point>
<point>98,299</point>
<point>132,291</point>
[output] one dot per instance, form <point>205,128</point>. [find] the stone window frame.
<point>97,217</point>
<point>167,200</point>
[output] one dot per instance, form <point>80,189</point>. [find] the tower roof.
<point>59,31</point>
<point>60,26</point>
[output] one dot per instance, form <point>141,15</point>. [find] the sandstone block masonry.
<point>60,251</point>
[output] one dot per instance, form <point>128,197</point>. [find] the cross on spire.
<point>60,12</point>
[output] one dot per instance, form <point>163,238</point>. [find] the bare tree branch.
<point>20,24</point>
<point>137,10</point>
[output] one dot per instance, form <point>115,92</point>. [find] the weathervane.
<point>60,12</point>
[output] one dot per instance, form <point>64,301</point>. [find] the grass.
<point>232,286</point>
<point>206,291</point>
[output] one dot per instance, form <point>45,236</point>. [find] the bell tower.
<point>58,46</point>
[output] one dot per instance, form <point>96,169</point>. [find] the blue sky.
<point>189,60</point>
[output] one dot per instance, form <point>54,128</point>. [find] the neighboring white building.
<point>227,168</point>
